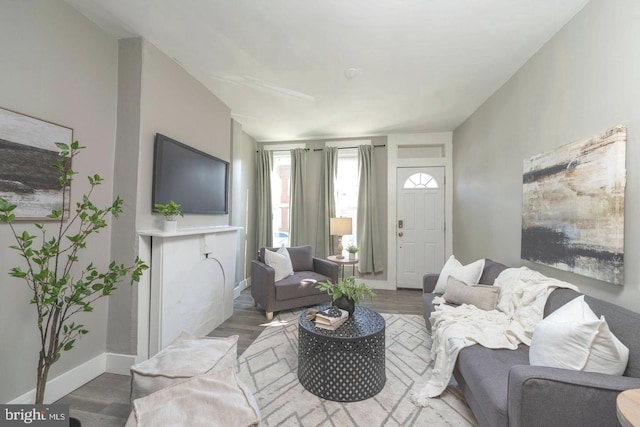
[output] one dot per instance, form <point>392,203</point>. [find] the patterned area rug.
<point>269,368</point>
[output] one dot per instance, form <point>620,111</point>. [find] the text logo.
<point>34,415</point>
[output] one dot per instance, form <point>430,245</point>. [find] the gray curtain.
<point>297,222</point>
<point>370,260</point>
<point>263,195</point>
<point>325,243</point>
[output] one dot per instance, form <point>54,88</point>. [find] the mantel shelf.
<point>189,231</point>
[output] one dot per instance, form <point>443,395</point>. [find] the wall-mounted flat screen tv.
<point>196,180</point>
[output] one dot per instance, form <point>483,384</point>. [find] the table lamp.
<point>340,227</point>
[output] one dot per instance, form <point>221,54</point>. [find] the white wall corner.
<point>67,382</point>
<point>120,363</point>
<point>241,286</point>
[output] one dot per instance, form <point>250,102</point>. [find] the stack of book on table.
<point>330,319</point>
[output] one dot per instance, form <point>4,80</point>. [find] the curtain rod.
<point>320,149</point>
<point>346,148</point>
<point>282,151</point>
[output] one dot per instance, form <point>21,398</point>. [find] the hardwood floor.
<point>104,402</point>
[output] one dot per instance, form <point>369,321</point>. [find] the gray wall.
<point>157,96</point>
<point>60,67</point>
<point>243,209</point>
<point>174,104</point>
<point>583,81</point>
<point>122,332</point>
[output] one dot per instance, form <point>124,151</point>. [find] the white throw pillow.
<point>280,261</point>
<point>572,337</point>
<point>469,273</point>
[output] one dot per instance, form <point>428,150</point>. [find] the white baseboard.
<point>120,363</point>
<point>67,382</point>
<point>241,286</point>
<point>380,284</point>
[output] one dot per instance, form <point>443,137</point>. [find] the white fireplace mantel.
<point>190,285</point>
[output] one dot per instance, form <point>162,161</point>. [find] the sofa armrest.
<point>263,289</point>
<point>542,396</point>
<point>429,283</point>
<point>327,268</point>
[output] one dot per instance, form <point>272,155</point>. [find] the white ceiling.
<point>423,65</point>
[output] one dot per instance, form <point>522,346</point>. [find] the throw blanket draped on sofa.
<point>523,294</point>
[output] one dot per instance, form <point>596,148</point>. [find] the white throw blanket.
<point>523,295</point>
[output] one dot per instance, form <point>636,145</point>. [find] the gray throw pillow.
<point>301,257</point>
<point>484,297</point>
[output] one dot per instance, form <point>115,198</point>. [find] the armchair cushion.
<point>301,284</point>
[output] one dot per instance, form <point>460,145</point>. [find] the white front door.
<point>420,226</point>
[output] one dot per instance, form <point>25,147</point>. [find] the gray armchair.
<point>298,290</point>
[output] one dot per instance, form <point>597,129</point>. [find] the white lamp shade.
<point>340,226</point>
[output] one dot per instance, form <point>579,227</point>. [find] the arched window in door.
<point>421,180</point>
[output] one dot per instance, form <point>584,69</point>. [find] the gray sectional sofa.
<point>502,389</point>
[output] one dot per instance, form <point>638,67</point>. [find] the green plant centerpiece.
<point>59,287</point>
<point>170,211</point>
<point>346,294</point>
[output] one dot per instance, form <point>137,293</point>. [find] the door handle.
<point>401,234</point>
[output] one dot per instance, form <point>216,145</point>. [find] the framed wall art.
<point>27,151</point>
<point>573,207</point>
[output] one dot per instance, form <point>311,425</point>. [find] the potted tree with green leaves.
<point>60,288</point>
<point>346,294</point>
<point>170,211</point>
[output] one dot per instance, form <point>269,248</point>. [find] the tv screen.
<point>196,180</point>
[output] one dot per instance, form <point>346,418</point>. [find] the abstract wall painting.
<point>573,207</point>
<point>27,150</point>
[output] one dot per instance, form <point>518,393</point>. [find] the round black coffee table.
<point>345,365</point>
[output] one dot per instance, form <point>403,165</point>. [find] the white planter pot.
<point>352,256</point>
<point>169,226</point>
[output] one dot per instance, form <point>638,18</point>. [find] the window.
<point>421,180</point>
<point>346,192</point>
<point>346,185</point>
<point>280,181</point>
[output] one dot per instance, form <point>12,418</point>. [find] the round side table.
<point>345,365</point>
<point>344,261</point>
<point>628,408</point>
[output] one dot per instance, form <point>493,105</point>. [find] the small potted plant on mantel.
<point>346,294</point>
<point>353,250</point>
<point>170,211</point>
